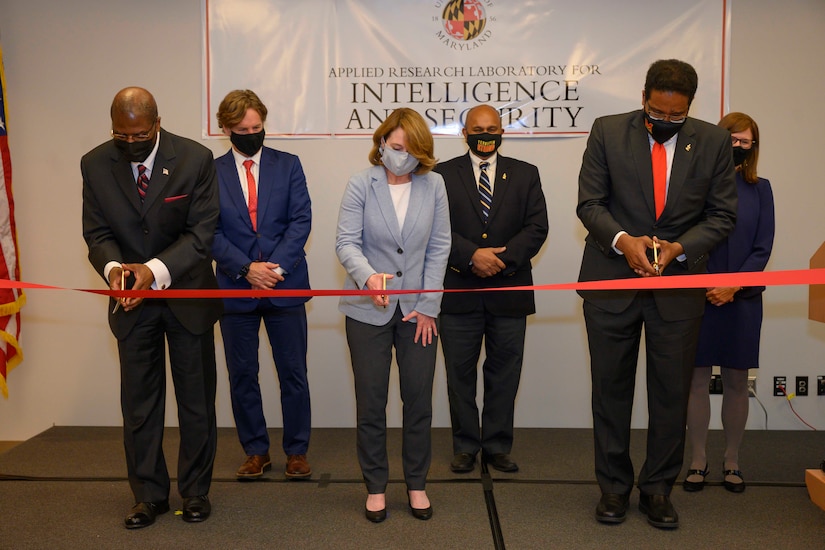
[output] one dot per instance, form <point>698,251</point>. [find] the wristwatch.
<point>244,271</point>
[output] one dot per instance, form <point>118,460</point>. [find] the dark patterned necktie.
<point>485,193</point>
<point>142,182</point>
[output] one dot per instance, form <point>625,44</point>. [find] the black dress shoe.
<point>463,463</point>
<point>612,508</point>
<point>659,510</point>
<point>376,517</point>
<point>196,509</point>
<point>501,462</point>
<point>144,513</point>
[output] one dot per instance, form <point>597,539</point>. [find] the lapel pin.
<point>687,147</point>
<point>504,176</point>
<point>166,170</point>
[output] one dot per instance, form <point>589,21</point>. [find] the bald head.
<point>135,104</point>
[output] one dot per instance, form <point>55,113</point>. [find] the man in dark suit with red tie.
<point>499,223</point>
<point>649,178</point>
<point>150,205</point>
<point>259,244</point>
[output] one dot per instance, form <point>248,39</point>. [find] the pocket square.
<point>175,198</point>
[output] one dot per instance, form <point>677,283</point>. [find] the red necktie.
<point>142,182</point>
<point>253,193</point>
<point>658,158</point>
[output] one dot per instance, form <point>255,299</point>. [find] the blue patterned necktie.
<point>485,193</point>
<point>142,182</point>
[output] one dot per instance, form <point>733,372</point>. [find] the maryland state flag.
<point>11,299</point>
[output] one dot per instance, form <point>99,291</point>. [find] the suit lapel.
<point>125,178</point>
<point>500,187</point>
<point>228,171</point>
<point>165,163</point>
<point>467,177</point>
<point>417,191</point>
<point>682,160</point>
<point>640,148</point>
<point>267,180</point>
<point>381,188</point>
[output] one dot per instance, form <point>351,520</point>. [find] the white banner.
<point>337,67</point>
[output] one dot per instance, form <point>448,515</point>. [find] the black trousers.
<point>461,338</point>
<point>614,341</point>
<point>371,353</point>
<point>143,398</point>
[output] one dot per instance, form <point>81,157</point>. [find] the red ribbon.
<point>756,278</point>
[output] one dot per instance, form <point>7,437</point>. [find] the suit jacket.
<point>518,220</point>
<point>175,223</point>
<point>616,193</point>
<point>369,241</point>
<point>283,224</point>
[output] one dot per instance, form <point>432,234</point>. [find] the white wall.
<point>65,61</point>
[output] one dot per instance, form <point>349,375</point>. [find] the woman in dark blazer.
<point>394,233</point>
<point>730,330</point>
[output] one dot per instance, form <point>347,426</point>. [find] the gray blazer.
<point>368,241</point>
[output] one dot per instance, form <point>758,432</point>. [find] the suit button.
<point>145,230</point>
<point>484,235</point>
<point>397,273</point>
<point>400,251</point>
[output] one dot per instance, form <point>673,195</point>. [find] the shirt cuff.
<point>615,240</point>
<point>108,269</point>
<point>163,279</point>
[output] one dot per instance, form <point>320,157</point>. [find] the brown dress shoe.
<point>255,466</point>
<point>297,466</point>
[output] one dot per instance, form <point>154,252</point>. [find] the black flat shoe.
<point>143,514</point>
<point>376,517</point>
<point>659,510</point>
<point>612,508</point>
<point>463,463</point>
<point>694,486</point>
<point>196,509</point>
<point>732,486</point>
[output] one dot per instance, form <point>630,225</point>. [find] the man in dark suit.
<point>683,211</point>
<point>499,222</point>
<point>150,205</point>
<point>259,243</point>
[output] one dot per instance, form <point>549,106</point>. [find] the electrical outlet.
<point>716,384</point>
<point>820,385</point>
<point>801,386</point>
<point>779,382</point>
<point>752,386</point>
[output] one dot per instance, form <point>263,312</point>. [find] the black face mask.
<point>484,145</point>
<point>136,151</point>
<point>739,155</point>
<point>248,144</point>
<point>662,130</point>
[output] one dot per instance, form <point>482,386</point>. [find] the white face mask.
<point>397,162</point>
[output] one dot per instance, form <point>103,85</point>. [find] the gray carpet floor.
<point>66,488</point>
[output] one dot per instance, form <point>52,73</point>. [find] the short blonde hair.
<point>234,106</point>
<point>419,138</point>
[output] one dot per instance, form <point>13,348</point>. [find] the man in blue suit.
<point>259,244</point>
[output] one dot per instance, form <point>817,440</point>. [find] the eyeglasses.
<point>676,118</point>
<point>745,143</point>
<point>142,136</point>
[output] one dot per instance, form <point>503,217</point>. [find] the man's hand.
<point>635,252</point>
<point>486,263</point>
<point>722,294</point>
<point>262,277</point>
<point>143,281</point>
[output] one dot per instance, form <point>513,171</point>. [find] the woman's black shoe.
<point>731,486</point>
<point>694,486</point>
<point>376,517</point>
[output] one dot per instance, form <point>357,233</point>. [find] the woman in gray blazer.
<point>394,233</point>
